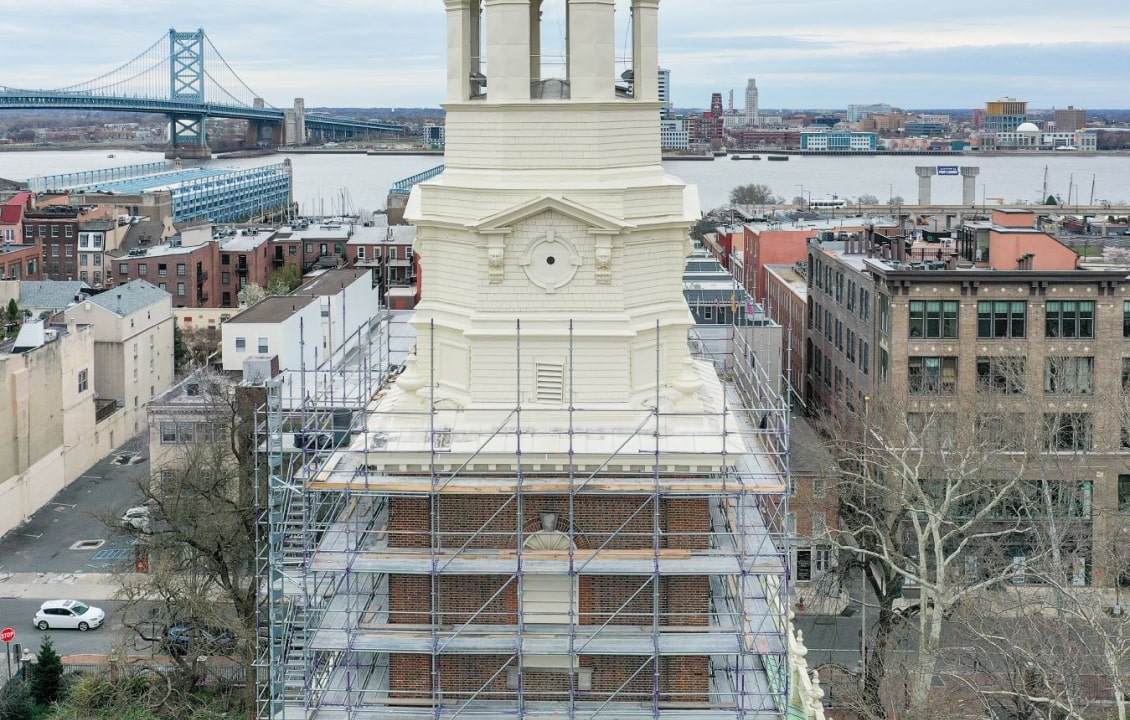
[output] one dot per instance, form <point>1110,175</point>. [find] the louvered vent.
<point>550,382</point>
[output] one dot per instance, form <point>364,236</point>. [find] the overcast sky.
<point>804,53</point>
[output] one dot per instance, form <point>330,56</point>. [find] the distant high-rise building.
<point>1070,120</point>
<point>752,113</point>
<point>855,113</point>
<point>1005,115</point>
<point>665,90</point>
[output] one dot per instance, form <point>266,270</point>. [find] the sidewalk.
<point>48,586</point>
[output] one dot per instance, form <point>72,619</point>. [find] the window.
<point>1000,375</point>
<point>1001,319</point>
<point>932,431</point>
<point>54,231</point>
<point>225,259</point>
<point>884,364</point>
<point>84,259</point>
<point>163,286</point>
<point>1069,375</point>
<point>54,250</point>
<point>69,231</point>
<point>549,599</point>
<point>851,296</point>
<point>69,250</point>
<point>851,346</point>
<point>1126,374</point>
<point>180,289</point>
<point>1001,431</point>
<point>812,563</point>
<point>1124,493</point>
<point>408,253</point>
<point>1126,318</point>
<point>241,344</point>
<point>97,259</point>
<point>1070,319</point>
<point>162,270</point>
<point>933,318</point>
<point>83,384</point>
<point>225,298</point>
<point>884,313</point>
<point>839,335</point>
<point>123,269</point>
<point>840,288</point>
<point>932,375</point>
<point>865,358</point>
<point>142,269</point>
<point>293,249</point>
<point>360,252</point>
<point>309,248</point>
<point>225,278</point>
<point>1068,431</point>
<point>263,346</point>
<point>864,304</point>
<point>828,325</point>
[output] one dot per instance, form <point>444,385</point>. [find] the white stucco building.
<point>133,345</point>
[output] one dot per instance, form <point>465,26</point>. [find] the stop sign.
<point>7,634</point>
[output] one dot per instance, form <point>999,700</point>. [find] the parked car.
<point>183,638</point>
<point>68,614</point>
<point>136,518</point>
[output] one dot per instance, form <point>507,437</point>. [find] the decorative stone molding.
<point>550,261</point>
<point>496,255</point>
<point>603,257</point>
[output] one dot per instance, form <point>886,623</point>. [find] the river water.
<point>327,183</point>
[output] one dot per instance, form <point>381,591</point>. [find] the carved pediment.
<point>601,226</point>
<point>596,221</point>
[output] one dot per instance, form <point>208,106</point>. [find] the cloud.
<point>804,53</point>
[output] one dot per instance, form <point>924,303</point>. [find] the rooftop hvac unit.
<point>257,369</point>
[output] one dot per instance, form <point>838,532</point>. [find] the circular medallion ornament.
<point>550,262</point>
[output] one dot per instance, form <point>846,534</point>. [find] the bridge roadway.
<point>11,99</point>
<point>854,210</point>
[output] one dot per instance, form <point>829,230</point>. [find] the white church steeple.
<point>553,245</point>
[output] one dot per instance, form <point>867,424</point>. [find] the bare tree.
<point>925,504</point>
<point>202,535</point>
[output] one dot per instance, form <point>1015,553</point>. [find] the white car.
<point>136,518</point>
<point>68,614</point>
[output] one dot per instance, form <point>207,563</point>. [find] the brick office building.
<point>999,330</point>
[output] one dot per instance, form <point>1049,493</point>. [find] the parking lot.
<point>67,550</point>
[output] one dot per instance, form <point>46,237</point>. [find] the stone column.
<point>969,185</point>
<point>592,50</point>
<point>925,179</point>
<point>508,50</point>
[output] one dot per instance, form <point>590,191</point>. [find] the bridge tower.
<point>187,135</point>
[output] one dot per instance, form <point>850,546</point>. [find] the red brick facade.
<point>617,523</point>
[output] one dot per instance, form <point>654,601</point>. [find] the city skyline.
<point>807,53</point>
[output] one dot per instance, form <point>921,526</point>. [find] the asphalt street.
<point>68,538</point>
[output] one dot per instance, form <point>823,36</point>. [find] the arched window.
<point>548,599</point>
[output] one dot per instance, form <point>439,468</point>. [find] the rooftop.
<point>273,309</point>
<point>331,282</point>
<point>51,294</point>
<point>127,299</point>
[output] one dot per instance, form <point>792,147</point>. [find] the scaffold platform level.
<point>503,711</point>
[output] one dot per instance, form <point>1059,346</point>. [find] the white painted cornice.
<point>597,221</point>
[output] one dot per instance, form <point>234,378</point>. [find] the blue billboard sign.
<point>948,170</point>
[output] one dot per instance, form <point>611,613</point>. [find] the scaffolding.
<point>528,562</point>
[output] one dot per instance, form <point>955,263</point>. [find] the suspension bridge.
<point>184,77</point>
